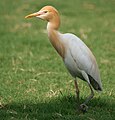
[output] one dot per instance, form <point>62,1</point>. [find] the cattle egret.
<point>77,57</point>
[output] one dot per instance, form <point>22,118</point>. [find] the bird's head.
<point>46,13</point>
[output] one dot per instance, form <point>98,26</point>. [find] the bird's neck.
<point>54,23</point>
<point>53,34</point>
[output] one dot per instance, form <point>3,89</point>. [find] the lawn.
<point>34,83</point>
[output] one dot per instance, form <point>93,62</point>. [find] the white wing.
<point>82,57</point>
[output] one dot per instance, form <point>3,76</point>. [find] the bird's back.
<point>79,58</point>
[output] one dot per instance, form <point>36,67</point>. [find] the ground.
<point>34,83</point>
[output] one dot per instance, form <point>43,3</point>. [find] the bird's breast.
<point>72,66</point>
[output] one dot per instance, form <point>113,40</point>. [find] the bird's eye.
<point>45,11</point>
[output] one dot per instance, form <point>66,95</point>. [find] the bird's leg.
<point>90,96</point>
<point>77,90</point>
<point>83,106</point>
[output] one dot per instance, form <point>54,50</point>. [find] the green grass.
<point>34,83</point>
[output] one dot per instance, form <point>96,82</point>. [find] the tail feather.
<point>94,84</point>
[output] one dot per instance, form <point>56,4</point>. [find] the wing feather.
<point>83,57</point>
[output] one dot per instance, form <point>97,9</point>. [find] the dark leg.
<point>83,106</point>
<point>90,96</point>
<point>77,90</point>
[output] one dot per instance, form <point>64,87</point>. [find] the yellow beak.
<point>32,15</point>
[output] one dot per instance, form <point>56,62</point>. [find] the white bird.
<point>77,57</point>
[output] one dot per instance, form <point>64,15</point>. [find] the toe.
<point>83,108</point>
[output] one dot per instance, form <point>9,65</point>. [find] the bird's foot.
<point>83,108</point>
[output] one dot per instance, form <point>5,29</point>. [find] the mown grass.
<point>34,84</point>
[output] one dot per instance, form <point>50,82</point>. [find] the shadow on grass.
<point>63,108</point>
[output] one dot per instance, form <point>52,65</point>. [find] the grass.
<point>34,84</point>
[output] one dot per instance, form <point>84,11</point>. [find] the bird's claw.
<point>83,108</point>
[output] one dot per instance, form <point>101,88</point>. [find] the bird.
<point>77,57</point>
